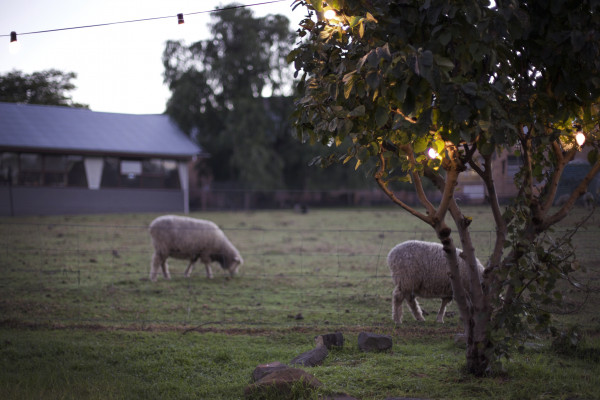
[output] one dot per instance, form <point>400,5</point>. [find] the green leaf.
<point>373,79</point>
<point>400,91</point>
<point>426,59</point>
<point>461,113</point>
<point>443,62</point>
<point>332,125</point>
<point>357,112</point>
<point>317,5</point>
<point>470,88</point>
<point>292,56</point>
<point>420,145</point>
<point>381,116</point>
<point>484,125</point>
<point>439,146</point>
<point>445,38</point>
<point>334,4</point>
<point>355,20</point>
<point>486,148</point>
<point>370,17</point>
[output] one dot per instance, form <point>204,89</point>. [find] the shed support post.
<point>185,185</point>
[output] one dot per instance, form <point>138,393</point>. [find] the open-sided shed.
<point>61,160</point>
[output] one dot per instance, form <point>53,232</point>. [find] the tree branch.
<point>564,210</point>
<point>562,161</point>
<point>379,178</point>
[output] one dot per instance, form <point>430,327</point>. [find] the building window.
<point>153,173</point>
<point>131,172</point>
<point>171,174</point>
<point>31,169</point>
<point>513,166</point>
<point>110,173</point>
<point>9,168</point>
<point>76,171</point>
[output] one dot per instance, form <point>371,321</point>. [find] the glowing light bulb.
<point>330,14</point>
<point>580,138</point>
<point>432,153</point>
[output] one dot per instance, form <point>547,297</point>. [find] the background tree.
<point>395,82</point>
<point>217,88</point>
<point>49,87</point>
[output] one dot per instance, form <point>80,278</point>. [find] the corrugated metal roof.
<point>75,130</point>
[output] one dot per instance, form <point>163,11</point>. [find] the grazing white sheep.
<point>191,239</point>
<point>420,269</point>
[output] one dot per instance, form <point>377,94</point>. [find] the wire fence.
<point>62,273</point>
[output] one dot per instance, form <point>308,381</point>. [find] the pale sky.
<point>118,67</point>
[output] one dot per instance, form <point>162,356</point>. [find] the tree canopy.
<point>49,87</point>
<point>217,88</point>
<point>428,89</point>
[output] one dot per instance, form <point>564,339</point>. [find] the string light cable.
<point>13,35</point>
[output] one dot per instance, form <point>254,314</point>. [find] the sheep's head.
<point>236,263</point>
<point>231,264</point>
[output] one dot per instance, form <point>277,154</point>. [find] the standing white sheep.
<point>191,239</point>
<point>421,269</point>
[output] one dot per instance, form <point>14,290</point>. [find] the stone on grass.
<point>374,342</point>
<point>311,358</point>
<point>281,384</point>
<point>265,369</point>
<point>340,396</point>
<point>330,340</point>
<point>404,398</point>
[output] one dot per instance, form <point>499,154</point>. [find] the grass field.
<point>80,319</point>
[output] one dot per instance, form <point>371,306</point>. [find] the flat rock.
<point>330,340</point>
<point>340,396</point>
<point>404,398</point>
<point>265,369</point>
<point>279,384</point>
<point>374,342</point>
<point>312,357</point>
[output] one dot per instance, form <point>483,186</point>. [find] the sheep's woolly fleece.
<point>420,269</point>
<point>191,239</point>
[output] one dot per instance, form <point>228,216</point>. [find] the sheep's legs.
<point>397,298</point>
<point>188,270</point>
<point>442,312</point>
<point>397,306</point>
<point>209,273</point>
<point>159,262</point>
<point>415,308</point>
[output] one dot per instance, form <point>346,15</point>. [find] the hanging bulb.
<point>432,153</point>
<point>180,19</point>
<point>14,45</point>
<point>580,138</point>
<point>330,14</point>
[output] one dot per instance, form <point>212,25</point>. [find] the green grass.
<point>80,319</point>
